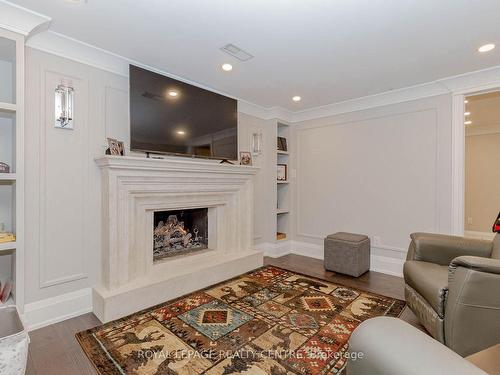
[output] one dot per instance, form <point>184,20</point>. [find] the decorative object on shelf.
<point>245,158</point>
<point>280,236</point>
<point>5,291</point>
<point>64,101</point>
<point>257,142</point>
<point>115,147</point>
<point>6,236</point>
<point>496,225</point>
<point>4,168</point>
<point>282,146</point>
<point>282,172</point>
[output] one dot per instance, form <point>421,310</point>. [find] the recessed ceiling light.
<point>173,93</point>
<point>468,122</point>
<point>181,132</point>
<point>466,113</point>
<point>76,1</point>
<point>486,47</point>
<point>227,67</point>
<point>296,98</point>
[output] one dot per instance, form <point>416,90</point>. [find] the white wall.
<point>384,172</point>
<point>265,183</point>
<point>63,213</point>
<point>482,181</point>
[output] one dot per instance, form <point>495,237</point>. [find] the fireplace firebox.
<point>179,232</point>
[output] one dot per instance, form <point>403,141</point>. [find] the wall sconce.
<point>257,142</point>
<point>64,100</point>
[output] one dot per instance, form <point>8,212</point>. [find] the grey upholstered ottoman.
<point>347,253</point>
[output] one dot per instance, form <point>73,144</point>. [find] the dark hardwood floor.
<point>54,350</point>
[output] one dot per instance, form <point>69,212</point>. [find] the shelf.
<point>281,211</point>
<point>282,152</point>
<point>8,107</point>
<point>7,177</point>
<point>10,301</point>
<point>5,246</point>
<point>282,182</point>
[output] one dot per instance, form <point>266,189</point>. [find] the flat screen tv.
<point>172,117</point>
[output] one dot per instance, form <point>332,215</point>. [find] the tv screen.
<point>170,116</point>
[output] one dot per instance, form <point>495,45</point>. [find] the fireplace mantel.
<point>173,164</point>
<point>133,189</point>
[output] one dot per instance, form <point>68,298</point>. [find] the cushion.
<point>347,237</point>
<point>430,280</point>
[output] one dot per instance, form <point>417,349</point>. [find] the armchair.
<point>452,284</point>
<point>405,351</point>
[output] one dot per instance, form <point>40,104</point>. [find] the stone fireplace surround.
<point>132,189</point>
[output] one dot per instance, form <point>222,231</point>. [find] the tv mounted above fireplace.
<point>173,117</point>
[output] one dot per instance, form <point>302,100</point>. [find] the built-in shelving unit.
<point>283,187</point>
<point>11,153</point>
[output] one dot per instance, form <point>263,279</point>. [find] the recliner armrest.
<point>391,346</point>
<point>476,263</point>
<point>472,312</point>
<point>442,249</point>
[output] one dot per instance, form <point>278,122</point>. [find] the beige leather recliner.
<point>390,346</point>
<point>452,284</point>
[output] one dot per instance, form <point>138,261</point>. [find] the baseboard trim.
<point>275,250</point>
<point>56,309</point>
<point>382,264</point>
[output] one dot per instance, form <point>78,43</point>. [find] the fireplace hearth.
<point>179,232</point>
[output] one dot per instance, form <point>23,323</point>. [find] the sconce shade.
<point>64,106</point>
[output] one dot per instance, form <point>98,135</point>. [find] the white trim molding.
<point>379,263</point>
<point>383,264</point>
<point>56,309</point>
<point>275,250</point>
<point>21,20</point>
<point>76,50</point>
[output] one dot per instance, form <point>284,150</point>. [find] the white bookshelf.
<point>11,153</point>
<point>8,246</point>
<point>283,187</point>
<point>8,107</point>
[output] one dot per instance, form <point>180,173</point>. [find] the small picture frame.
<point>281,143</point>
<point>115,147</point>
<point>4,168</point>
<point>245,158</point>
<point>282,172</point>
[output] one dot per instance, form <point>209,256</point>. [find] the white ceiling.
<point>326,51</point>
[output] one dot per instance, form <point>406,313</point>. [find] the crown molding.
<point>263,112</point>
<point>21,20</point>
<point>69,48</point>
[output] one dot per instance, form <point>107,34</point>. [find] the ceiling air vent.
<point>236,52</point>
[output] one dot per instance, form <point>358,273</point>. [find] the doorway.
<point>482,169</point>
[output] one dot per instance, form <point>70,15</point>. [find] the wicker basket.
<point>14,342</point>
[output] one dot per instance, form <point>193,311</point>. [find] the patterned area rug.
<point>269,321</point>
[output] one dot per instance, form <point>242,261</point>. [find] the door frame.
<point>458,150</point>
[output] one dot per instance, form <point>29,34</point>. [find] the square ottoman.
<point>347,253</point>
